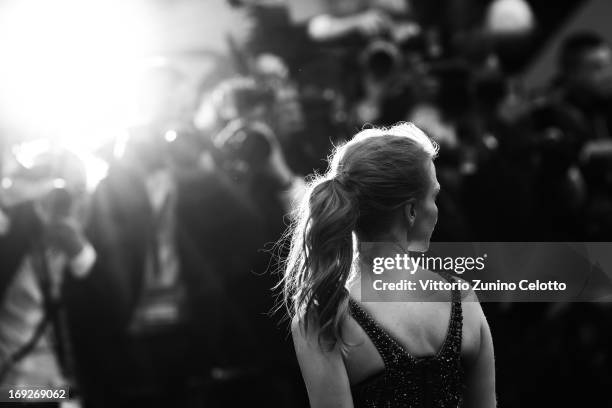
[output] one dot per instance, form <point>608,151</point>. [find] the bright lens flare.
<point>68,66</point>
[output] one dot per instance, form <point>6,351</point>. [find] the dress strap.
<point>386,346</point>
<point>455,329</point>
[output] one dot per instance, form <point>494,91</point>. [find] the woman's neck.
<point>385,262</point>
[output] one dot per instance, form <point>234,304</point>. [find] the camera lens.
<point>249,145</point>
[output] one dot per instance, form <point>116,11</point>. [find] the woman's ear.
<point>410,212</point>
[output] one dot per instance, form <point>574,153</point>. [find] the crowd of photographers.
<point>155,287</point>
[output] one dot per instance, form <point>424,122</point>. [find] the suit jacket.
<point>25,228</point>
<point>215,227</point>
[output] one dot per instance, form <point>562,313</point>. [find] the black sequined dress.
<point>432,381</point>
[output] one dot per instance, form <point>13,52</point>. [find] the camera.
<point>245,142</point>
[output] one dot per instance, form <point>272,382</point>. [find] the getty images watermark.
<point>495,271</point>
<point>459,265</point>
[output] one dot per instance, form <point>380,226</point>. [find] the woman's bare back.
<point>419,324</point>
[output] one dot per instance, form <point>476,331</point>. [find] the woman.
<point>381,187</point>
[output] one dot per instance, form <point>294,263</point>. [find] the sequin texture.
<point>407,381</point>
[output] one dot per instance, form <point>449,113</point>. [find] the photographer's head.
<point>381,186</point>
<point>162,96</point>
<point>585,64</point>
<point>145,149</point>
<point>36,169</point>
<point>54,181</point>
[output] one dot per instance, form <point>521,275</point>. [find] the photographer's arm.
<point>596,149</point>
<point>327,27</point>
<point>292,186</point>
